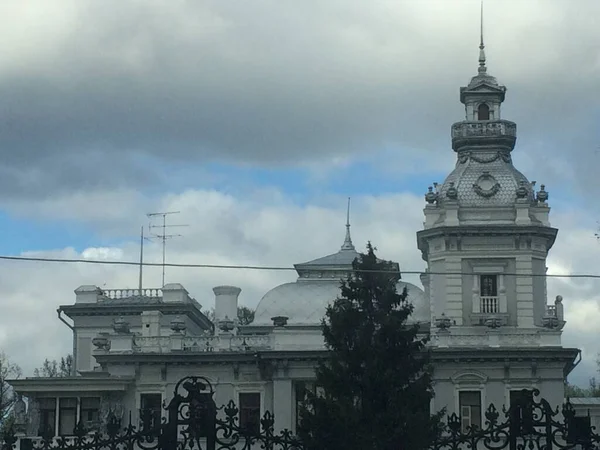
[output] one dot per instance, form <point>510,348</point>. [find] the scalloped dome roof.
<point>483,180</point>
<point>304,302</point>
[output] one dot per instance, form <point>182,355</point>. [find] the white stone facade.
<point>485,240</point>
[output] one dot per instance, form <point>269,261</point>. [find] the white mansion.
<point>485,240</point>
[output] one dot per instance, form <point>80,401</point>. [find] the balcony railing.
<point>489,305</point>
<point>484,128</point>
<point>128,293</point>
<point>498,132</point>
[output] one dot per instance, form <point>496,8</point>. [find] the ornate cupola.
<point>485,223</point>
<point>485,187</point>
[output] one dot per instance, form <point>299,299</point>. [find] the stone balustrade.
<point>496,338</point>
<point>484,128</point>
<point>500,132</point>
<point>128,293</point>
<point>178,342</point>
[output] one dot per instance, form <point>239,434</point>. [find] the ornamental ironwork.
<point>193,422</point>
<point>528,424</point>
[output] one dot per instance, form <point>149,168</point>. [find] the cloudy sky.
<point>256,119</point>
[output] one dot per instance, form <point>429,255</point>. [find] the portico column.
<point>282,404</point>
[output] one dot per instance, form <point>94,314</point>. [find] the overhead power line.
<point>273,268</point>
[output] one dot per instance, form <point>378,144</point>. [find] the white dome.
<point>304,302</point>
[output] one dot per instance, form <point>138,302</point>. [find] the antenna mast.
<point>141,260</point>
<point>162,235</point>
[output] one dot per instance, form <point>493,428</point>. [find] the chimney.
<point>226,302</point>
<point>174,293</point>
<point>87,294</point>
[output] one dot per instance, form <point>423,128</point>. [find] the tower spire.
<point>482,68</point>
<point>348,245</point>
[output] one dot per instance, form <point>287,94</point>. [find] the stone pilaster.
<point>454,296</point>
<point>524,291</point>
<point>282,404</point>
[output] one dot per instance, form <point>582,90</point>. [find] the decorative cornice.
<point>489,230</point>
<point>128,309</point>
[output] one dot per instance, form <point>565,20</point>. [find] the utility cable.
<point>273,268</point>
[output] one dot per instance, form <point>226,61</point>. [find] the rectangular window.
<point>90,412</point>
<point>47,416</point>
<point>250,412</point>
<point>488,294</point>
<point>470,409</point>
<point>151,409</point>
<point>521,416</point>
<point>488,285</point>
<point>67,415</point>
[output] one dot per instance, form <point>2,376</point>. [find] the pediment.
<point>484,87</point>
<point>469,377</point>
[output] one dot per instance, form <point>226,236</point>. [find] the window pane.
<point>90,411</point>
<point>90,403</point>
<point>47,403</point>
<point>151,408</point>
<point>470,409</point>
<point>47,415</point>
<point>67,421</point>
<point>489,286</point>
<point>47,422</point>
<point>151,401</point>
<point>68,402</point>
<point>250,412</point>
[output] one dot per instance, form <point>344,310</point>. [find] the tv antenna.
<point>162,235</point>
<point>142,239</point>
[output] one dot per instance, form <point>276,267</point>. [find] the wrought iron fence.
<point>528,424</point>
<point>194,422</point>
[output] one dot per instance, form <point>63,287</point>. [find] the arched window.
<point>483,112</point>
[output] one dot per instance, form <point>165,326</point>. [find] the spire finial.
<point>482,67</point>
<point>348,245</point>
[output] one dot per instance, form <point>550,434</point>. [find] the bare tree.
<point>54,368</point>
<point>8,371</point>
<point>245,315</point>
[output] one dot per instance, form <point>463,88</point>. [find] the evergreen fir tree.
<point>375,386</point>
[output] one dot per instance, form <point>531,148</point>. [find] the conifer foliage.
<point>375,386</point>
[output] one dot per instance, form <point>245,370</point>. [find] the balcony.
<point>499,133</point>
<point>489,305</point>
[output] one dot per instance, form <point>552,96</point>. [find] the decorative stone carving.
<point>542,195</point>
<point>522,190</point>
<point>486,186</point>
<point>178,325</point>
<point>101,342</point>
<point>452,193</point>
<point>443,322</point>
<point>431,197</point>
<point>493,322</point>
<point>226,325</point>
<point>121,326</point>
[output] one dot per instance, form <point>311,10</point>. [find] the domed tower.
<point>486,233</point>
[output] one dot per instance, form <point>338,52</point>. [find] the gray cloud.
<point>107,86</point>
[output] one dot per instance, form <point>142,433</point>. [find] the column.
<point>282,404</point>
